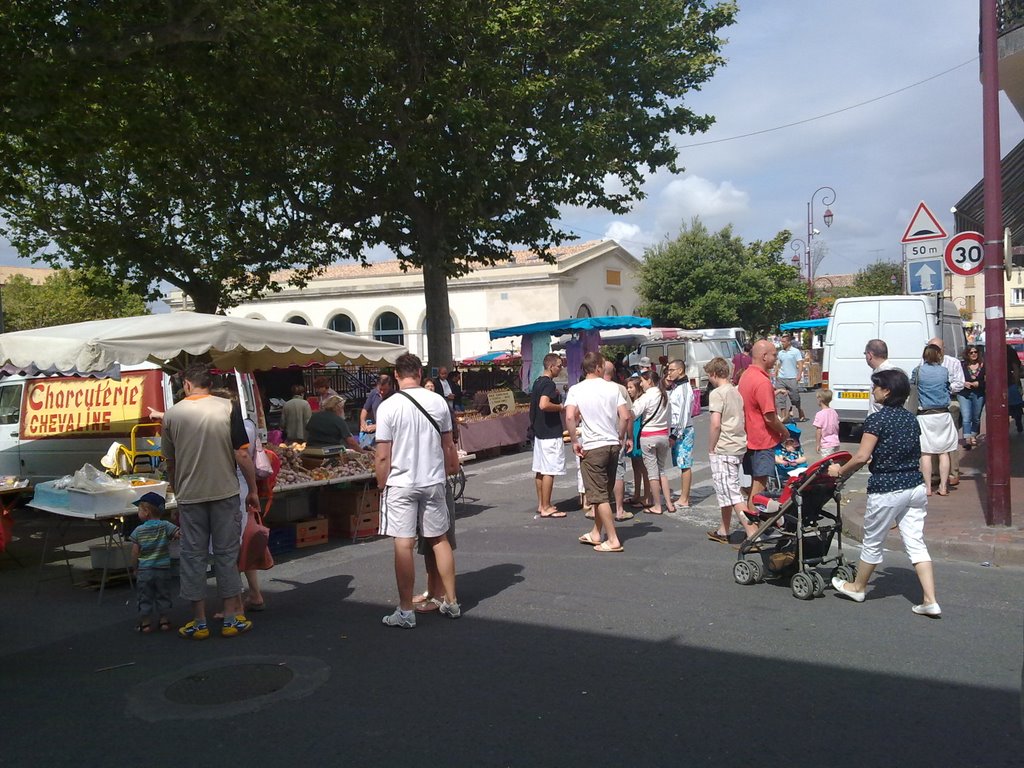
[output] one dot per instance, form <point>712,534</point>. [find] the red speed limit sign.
<point>965,253</point>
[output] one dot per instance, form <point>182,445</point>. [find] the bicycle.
<point>457,484</point>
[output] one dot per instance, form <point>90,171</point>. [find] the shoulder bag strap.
<point>414,401</point>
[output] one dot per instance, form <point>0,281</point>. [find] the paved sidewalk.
<point>955,528</point>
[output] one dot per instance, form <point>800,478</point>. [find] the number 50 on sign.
<point>965,253</point>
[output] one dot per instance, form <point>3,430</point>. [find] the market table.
<point>109,521</point>
<point>493,432</point>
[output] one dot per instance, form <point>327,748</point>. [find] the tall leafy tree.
<point>714,280</point>
<point>66,296</point>
<point>492,115</point>
<point>170,141</point>
<point>209,144</point>
<point>881,278</point>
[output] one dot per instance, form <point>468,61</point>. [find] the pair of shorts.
<point>759,463</point>
<point>725,476</point>
<point>655,455</point>
<point>792,389</point>
<point>598,467</point>
<point>682,449</point>
<point>549,456</point>
<point>620,468</point>
<point>408,512</point>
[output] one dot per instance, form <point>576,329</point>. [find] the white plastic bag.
<point>93,480</point>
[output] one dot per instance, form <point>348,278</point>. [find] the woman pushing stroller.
<point>896,489</point>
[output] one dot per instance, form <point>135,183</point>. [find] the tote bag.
<point>254,553</point>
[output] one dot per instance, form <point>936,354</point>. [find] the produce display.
<point>470,416</point>
<point>294,469</point>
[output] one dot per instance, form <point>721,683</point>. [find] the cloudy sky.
<point>796,60</point>
<point>792,60</point>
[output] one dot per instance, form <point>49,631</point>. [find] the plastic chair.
<point>141,450</point>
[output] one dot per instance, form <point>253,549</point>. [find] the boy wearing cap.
<point>151,560</point>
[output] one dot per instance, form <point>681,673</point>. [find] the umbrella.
<point>231,342</point>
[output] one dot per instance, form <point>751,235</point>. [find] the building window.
<point>969,281</point>
<point>584,311</point>
<point>1017,297</point>
<point>969,304</point>
<point>612,311</point>
<point>297,320</point>
<point>613,277</point>
<point>342,323</point>
<point>388,327</point>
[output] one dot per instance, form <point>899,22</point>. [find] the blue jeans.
<point>971,404</point>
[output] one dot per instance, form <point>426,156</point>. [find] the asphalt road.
<point>563,657</point>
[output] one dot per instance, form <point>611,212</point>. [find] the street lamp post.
<point>828,197</point>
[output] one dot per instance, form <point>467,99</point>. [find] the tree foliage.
<point>66,296</point>
<point>210,144</point>
<point>882,278</point>
<point>714,280</point>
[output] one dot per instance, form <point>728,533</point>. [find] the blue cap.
<point>151,498</point>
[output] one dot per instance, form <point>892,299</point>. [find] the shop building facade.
<point>380,301</point>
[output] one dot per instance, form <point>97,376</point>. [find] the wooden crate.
<point>354,526</point>
<point>310,533</point>
<point>337,502</point>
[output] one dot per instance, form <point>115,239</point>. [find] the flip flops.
<point>625,516</point>
<point>585,539</point>
<point>604,546</point>
<point>558,513</point>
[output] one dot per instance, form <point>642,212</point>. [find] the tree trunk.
<point>435,293</point>
<point>203,298</point>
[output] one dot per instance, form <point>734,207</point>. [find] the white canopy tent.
<point>100,346</point>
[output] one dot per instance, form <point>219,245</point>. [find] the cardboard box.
<point>354,526</point>
<point>310,533</point>
<point>347,501</point>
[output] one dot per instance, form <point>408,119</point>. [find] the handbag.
<point>695,405</point>
<point>635,452</point>
<point>254,552</point>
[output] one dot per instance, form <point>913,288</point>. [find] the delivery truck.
<point>52,425</point>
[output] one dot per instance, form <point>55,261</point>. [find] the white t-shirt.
<point>417,460</point>
<point>651,411</point>
<point>598,404</point>
<point>873,406</point>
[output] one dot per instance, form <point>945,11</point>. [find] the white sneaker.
<point>400,618</point>
<point>451,610</point>
<point>928,609</point>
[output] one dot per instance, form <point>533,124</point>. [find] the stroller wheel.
<point>845,572</point>
<point>802,586</point>
<point>819,583</point>
<point>744,572</point>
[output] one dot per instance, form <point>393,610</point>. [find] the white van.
<point>51,425</point>
<point>665,344</point>
<point>739,334</point>
<point>904,323</point>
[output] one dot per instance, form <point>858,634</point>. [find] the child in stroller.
<point>789,460</point>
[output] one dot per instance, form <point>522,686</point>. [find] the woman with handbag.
<point>938,431</point>
<point>653,412</point>
<point>253,600</point>
<point>641,483</point>
<point>972,396</point>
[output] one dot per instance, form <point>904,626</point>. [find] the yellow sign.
<point>69,406</point>
<point>501,401</point>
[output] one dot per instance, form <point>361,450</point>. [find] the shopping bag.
<point>254,553</point>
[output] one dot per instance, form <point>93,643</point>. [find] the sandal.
<point>165,625</point>
<point>624,517</point>
<point>427,606</point>
<point>144,627</point>
<point>422,598</point>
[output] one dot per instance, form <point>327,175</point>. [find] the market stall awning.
<point>232,342</point>
<point>500,356</point>
<point>573,325</point>
<point>970,209</point>
<point>801,325</point>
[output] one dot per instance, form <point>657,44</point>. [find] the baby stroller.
<point>795,533</point>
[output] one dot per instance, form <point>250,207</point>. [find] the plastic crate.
<point>282,539</point>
